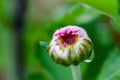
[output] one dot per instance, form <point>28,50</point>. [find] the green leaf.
<point>108,7</point>
<point>87,16</point>
<point>7,58</point>
<point>6,11</point>
<point>111,67</point>
<point>44,44</point>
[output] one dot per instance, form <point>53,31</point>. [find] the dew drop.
<point>91,57</point>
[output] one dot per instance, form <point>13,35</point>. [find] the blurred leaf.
<point>79,14</point>
<point>104,35</point>
<point>39,74</point>
<point>107,7</point>
<point>111,67</point>
<point>6,53</point>
<point>36,76</point>
<point>6,11</point>
<point>87,16</point>
<point>75,15</point>
<point>72,13</point>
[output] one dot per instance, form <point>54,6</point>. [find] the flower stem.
<point>76,72</point>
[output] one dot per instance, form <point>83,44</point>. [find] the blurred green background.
<point>100,18</point>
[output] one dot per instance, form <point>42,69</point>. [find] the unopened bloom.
<point>70,45</point>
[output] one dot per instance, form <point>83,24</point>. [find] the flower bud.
<point>70,45</point>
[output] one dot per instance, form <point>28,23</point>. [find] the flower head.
<point>70,45</point>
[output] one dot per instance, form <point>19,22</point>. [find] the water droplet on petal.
<point>91,57</point>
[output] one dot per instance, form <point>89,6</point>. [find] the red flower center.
<point>68,39</point>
